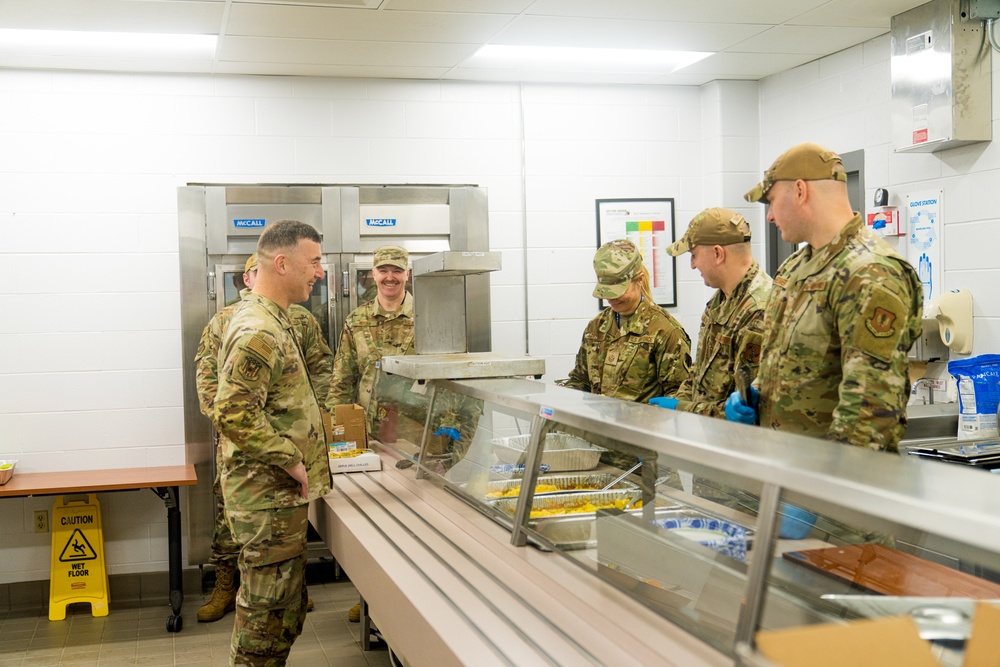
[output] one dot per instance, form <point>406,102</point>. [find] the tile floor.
<point>138,636</point>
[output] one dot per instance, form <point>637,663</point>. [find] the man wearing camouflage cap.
<point>732,326</point>
<point>318,356</point>
<point>844,311</point>
<point>633,350</point>
<point>274,451</point>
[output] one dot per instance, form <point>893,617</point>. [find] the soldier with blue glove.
<point>844,311</point>
<point>732,326</point>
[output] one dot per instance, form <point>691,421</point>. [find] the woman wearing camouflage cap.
<point>633,350</point>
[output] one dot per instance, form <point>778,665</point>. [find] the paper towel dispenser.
<point>953,313</point>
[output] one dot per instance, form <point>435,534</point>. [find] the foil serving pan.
<point>560,504</point>
<point>505,488</point>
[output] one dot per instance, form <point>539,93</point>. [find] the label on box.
<point>972,427</point>
<point>366,460</point>
<point>343,448</point>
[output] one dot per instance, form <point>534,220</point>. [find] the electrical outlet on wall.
<point>41,521</point>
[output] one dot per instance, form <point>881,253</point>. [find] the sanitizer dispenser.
<point>953,312</point>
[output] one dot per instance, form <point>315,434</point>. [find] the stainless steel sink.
<point>930,422</point>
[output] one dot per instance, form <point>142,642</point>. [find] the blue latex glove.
<point>667,402</point>
<point>795,522</point>
<point>737,411</point>
<point>452,433</point>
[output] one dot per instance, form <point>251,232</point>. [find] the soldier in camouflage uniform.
<point>633,350</point>
<point>318,362</point>
<point>842,316</point>
<point>380,328</point>
<point>732,326</point>
<point>274,454</point>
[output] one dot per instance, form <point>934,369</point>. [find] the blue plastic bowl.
<point>795,522</point>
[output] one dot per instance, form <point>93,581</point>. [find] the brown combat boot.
<point>223,599</point>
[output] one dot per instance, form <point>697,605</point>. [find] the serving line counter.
<point>718,531</point>
<point>445,586</point>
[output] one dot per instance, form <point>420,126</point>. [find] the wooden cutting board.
<point>883,570</point>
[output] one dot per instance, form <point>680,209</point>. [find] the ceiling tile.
<point>459,6</point>
<point>716,11</point>
<point>816,40</point>
<point>548,31</point>
<point>855,13</point>
<point>359,24</point>
<point>329,52</point>
<point>187,16</point>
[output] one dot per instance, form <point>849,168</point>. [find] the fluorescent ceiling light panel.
<point>574,58</point>
<point>105,44</point>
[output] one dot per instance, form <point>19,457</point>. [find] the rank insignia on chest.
<point>880,323</point>
<point>751,353</point>
<point>612,357</point>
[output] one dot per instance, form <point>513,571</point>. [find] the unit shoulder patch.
<point>879,330</point>
<point>248,368</point>
<point>751,353</point>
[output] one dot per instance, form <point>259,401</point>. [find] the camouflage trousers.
<point>271,602</point>
<point>225,550</point>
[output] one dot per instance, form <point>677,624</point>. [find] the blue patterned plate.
<point>726,538</point>
<point>512,469</point>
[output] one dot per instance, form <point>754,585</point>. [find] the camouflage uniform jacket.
<point>650,355</point>
<point>732,330</point>
<point>370,333</point>
<point>319,357</point>
<point>266,411</point>
<point>838,326</point>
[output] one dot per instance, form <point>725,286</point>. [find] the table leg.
<point>169,496</point>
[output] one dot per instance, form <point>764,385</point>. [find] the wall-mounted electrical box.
<point>941,87</point>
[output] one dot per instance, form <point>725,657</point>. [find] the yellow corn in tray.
<point>514,490</point>
<point>577,508</point>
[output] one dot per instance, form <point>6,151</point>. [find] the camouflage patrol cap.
<point>392,255</point>
<point>713,226</point>
<point>807,161</point>
<point>616,264</point>
<point>251,264</point>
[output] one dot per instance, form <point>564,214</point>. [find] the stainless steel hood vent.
<point>941,87</point>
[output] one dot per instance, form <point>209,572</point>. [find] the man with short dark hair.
<point>318,357</point>
<point>843,313</point>
<point>274,449</point>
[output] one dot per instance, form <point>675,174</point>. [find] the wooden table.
<point>164,481</point>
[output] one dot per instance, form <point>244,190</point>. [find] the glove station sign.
<point>78,569</point>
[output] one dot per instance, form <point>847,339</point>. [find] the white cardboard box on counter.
<point>369,460</point>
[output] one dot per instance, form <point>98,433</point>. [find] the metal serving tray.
<point>500,489</point>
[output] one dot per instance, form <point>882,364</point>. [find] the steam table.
<point>164,481</point>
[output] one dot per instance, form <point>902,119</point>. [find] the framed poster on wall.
<point>649,224</point>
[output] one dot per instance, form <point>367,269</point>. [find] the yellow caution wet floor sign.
<point>78,570</point>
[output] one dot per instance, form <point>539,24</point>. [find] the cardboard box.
<point>352,418</point>
<point>367,460</point>
<point>868,643</point>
